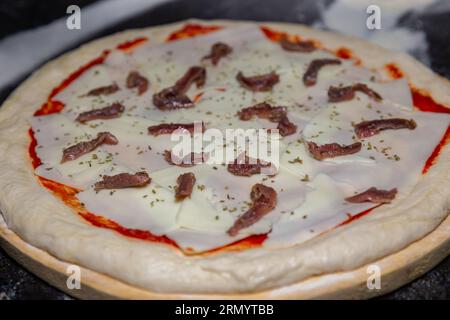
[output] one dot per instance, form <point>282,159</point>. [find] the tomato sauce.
<point>35,161</point>
<point>130,45</point>
<point>192,30</point>
<point>198,97</point>
<point>434,155</point>
<point>68,194</point>
<point>253,241</point>
<point>352,218</point>
<point>394,71</point>
<point>425,103</point>
<point>276,36</point>
<point>344,53</point>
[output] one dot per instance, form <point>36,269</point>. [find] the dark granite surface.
<point>17,283</point>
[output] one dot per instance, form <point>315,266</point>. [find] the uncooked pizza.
<point>118,157</point>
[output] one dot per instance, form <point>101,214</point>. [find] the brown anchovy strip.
<point>286,127</point>
<point>136,80</point>
<point>195,75</point>
<point>310,76</point>
<point>171,99</point>
<point>218,51</point>
<point>123,180</point>
<point>259,83</point>
<point>262,110</point>
<point>189,160</point>
<point>339,94</point>
<point>175,97</point>
<point>110,112</point>
<point>367,129</point>
<point>331,150</point>
<point>81,148</point>
<point>264,200</point>
<point>168,128</point>
<point>361,87</point>
<point>246,168</point>
<point>186,183</point>
<point>303,46</point>
<point>104,90</point>
<point>273,114</point>
<point>373,195</point>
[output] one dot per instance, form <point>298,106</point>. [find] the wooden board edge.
<point>396,270</point>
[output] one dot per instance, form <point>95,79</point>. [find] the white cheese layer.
<point>310,193</point>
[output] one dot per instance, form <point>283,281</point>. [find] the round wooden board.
<point>396,270</point>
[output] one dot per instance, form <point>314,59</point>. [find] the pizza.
<point>358,167</point>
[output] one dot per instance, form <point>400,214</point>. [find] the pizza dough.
<point>54,227</point>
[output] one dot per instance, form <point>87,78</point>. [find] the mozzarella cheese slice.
<point>324,207</point>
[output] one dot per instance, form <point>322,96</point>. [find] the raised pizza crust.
<point>45,222</point>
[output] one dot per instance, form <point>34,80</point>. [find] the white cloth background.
<point>22,52</point>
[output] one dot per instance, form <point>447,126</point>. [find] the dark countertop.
<point>17,283</point>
